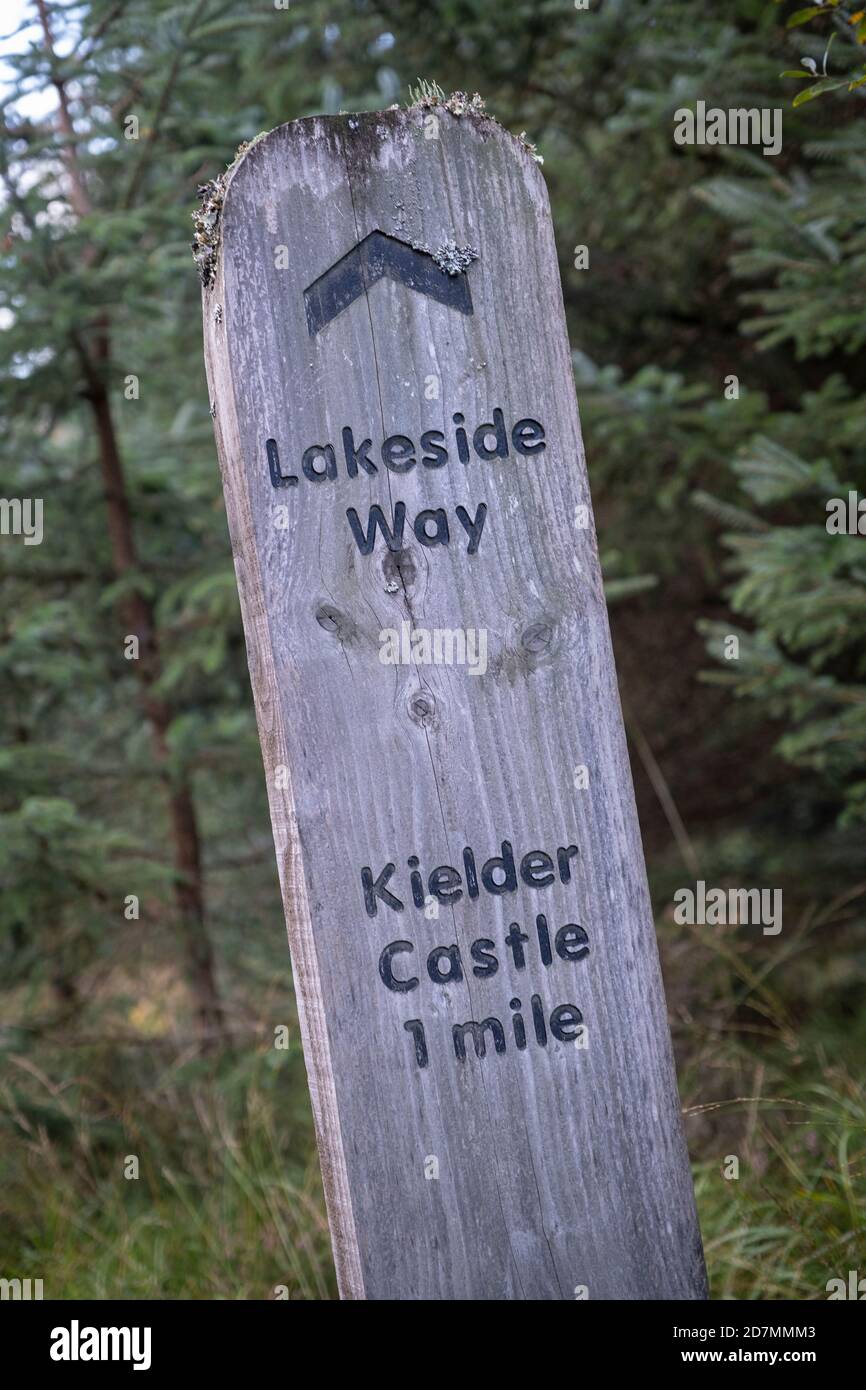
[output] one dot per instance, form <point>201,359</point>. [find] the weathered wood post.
<point>474,954</point>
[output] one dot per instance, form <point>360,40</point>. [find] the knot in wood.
<point>329,618</point>
<point>537,637</point>
<point>422,708</point>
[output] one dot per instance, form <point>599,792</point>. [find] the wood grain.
<point>559,1167</point>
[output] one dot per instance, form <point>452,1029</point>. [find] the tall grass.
<point>227,1204</point>
<point>228,1201</point>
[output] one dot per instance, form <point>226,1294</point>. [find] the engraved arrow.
<point>375,256</point>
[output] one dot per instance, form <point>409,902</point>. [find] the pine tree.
<point>123,669</point>
<point>800,581</point>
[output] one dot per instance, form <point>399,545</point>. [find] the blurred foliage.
<point>705,263</point>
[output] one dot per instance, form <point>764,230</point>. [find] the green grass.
<point>228,1202</point>
<point>796,1215</point>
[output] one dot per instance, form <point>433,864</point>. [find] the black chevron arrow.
<point>375,256</point>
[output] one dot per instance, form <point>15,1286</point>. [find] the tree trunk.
<point>138,615</point>
<point>136,609</point>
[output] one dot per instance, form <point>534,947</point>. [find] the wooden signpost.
<point>473,946</point>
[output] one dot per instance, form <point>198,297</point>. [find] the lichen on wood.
<point>454,259</point>
<point>428,96</point>
<point>206,217</point>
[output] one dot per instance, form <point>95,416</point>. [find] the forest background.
<point>718,333</point>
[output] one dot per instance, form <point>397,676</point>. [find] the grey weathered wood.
<point>558,1167</point>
